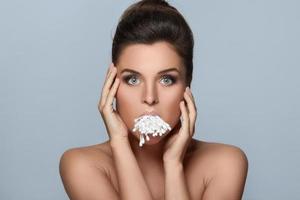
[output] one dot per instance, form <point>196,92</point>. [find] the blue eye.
<point>133,79</point>
<point>171,79</point>
<point>128,79</point>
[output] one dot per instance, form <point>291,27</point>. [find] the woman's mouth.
<point>150,124</point>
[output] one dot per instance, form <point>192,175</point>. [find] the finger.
<point>191,95</point>
<point>195,107</point>
<point>191,111</point>
<point>106,77</point>
<point>183,136</point>
<point>109,70</point>
<point>193,99</point>
<point>112,93</point>
<point>185,118</point>
<point>106,87</point>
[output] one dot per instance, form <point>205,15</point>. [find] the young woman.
<point>151,73</point>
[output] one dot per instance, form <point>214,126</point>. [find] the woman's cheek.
<point>126,96</point>
<point>125,104</point>
<point>123,97</point>
<point>172,108</point>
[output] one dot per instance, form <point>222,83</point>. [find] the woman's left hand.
<point>177,144</point>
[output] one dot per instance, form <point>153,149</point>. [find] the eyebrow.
<point>163,71</point>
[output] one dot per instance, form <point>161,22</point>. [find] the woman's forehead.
<point>157,54</point>
<point>155,58</point>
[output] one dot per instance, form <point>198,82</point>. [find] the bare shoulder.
<point>94,155</point>
<point>218,152</point>
<point>84,169</point>
<point>222,167</point>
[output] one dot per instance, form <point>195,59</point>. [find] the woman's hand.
<point>115,126</point>
<point>177,144</point>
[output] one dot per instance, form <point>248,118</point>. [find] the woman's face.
<point>145,86</point>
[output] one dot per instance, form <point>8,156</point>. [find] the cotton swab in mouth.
<point>150,124</point>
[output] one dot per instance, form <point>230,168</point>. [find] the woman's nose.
<point>150,95</point>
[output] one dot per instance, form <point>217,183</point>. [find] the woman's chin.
<point>153,140</point>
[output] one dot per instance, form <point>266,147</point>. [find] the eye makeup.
<point>170,77</point>
<point>133,76</point>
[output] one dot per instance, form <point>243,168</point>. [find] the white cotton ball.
<point>148,124</point>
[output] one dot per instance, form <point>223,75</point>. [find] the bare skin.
<point>174,166</point>
<point>204,162</point>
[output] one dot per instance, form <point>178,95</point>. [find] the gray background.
<point>53,58</point>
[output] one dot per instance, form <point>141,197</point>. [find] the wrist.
<point>172,164</point>
<point>171,160</point>
<point>118,141</point>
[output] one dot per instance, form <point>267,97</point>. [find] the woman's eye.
<point>169,79</point>
<point>131,80</point>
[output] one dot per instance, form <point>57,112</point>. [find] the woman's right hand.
<point>115,126</point>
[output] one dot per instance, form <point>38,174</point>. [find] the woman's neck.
<point>147,153</point>
<point>153,152</point>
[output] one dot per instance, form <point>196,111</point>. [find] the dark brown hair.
<point>150,21</point>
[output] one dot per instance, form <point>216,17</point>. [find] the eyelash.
<point>170,77</point>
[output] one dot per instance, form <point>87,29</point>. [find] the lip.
<point>149,113</point>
